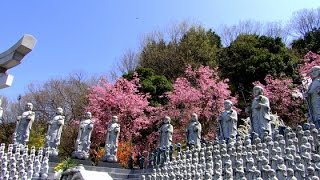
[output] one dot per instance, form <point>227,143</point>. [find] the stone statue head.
<point>167,120</point>
<point>315,72</point>
<point>227,104</point>
<point>88,115</point>
<point>257,91</point>
<point>114,119</point>
<point>29,107</point>
<point>59,111</point>
<point>194,117</point>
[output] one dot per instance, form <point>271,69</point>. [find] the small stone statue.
<point>166,131</point>
<point>83,140</point>
<point>112,141</point>
<point>23,125</point>
<point>45,168</point>
<point>260,112</point>
<point>54,132</point>
<point>1,111</point>
<point>194,132</point>
<point>37,167</point>
<point>228,121</point>
<point>290,174</point>
<point>299,170</point>
<point>313,96</point>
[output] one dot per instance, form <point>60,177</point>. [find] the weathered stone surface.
<point>23,125</point>
<point>111,147</point>
<point>166,131</point>
<point>13,56</point>
<point>313,96</point>
<point>83,141</point>
<point>55,127</point>
<point>228,121</point>
<point>194,132</point>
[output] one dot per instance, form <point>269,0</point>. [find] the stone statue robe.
<point>228,124</point>
<point>313,99</point>
<point>260,117</point>
<point>166,131</point>
<point>194,133</point>
<point>54,131</point>
<point>23,127</point>
<point>112,138</point>
<point>84,136</point>
<point>1,114</point>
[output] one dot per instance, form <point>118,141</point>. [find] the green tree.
<point>197,46</point>
<point>200,47</point>
<point>251,57</point>
<point>309,42</point>
<point>155,85</point>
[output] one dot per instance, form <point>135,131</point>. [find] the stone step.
<point>117,170</point>
<point>116,173</point>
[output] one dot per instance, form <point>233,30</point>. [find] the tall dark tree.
<point>251,57</point>
<point>310,42</point>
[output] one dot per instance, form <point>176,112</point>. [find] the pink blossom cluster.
<point>200,90</point>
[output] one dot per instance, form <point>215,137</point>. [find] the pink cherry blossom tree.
<point>123,100</point>
<point>310,59</point>
<point>199,91</point>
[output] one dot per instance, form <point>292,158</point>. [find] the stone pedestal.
<point>109,164</point>
<point>85,162</point>
<point>54,159</point>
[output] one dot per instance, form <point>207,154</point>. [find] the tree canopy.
<point>154,85</point>
<point>197,46</point>
<point>251,57</point>
<point>309,42</point>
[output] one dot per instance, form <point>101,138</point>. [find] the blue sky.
<point>90,36</point>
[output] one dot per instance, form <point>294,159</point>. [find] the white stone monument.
<point>228,121</point>
<point>166,131</point>
<point>313,96</point>
<point>13,56</point>
<point>260,112</point>
<point>55,127</point>
<point>111,147</point>
<point>194,132</point>
<point>23,125</point>
<point>83,141</point>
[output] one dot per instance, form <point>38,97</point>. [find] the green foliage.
<point>68,139</point>
<point>251,57</point>
<point>310,42</point>
<point>65,164</point>
<point>37,134</point>
<point>155,85</point>
<point>200,47</point>
<point>196,47</point>
<point>6,131</point>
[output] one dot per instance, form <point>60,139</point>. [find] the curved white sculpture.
<point>13,56</point>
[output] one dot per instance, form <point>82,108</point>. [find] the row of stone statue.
<point>55,127</point>
<point>17,164</point>
<point>295,154</point>
<point>259,111</point>
<point>260,121</point>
